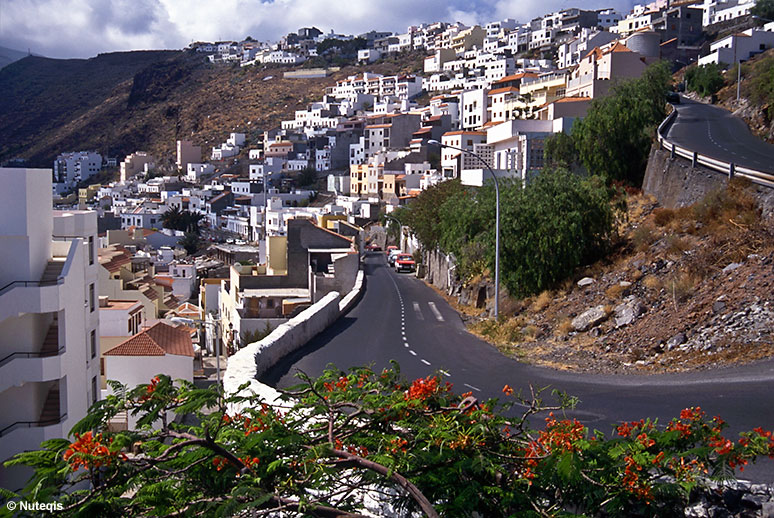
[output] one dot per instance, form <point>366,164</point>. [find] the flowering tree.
<point>347,438</point>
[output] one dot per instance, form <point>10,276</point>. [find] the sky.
<point>85,28</point>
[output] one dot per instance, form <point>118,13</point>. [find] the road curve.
<point>400,318</point>
<point>716,133</point>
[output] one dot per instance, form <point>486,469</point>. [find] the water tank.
<point>646,43</point>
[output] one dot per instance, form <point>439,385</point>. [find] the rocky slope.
<point>122,102</point>
<point>686,289</point>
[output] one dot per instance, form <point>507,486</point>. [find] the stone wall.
<point>676,183</point>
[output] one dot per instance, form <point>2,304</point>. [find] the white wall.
<point>137,370</point>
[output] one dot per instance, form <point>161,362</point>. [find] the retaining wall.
<point>256,358</point>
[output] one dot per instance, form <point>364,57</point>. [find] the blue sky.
<point>84,28</point>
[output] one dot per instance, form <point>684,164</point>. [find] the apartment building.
<point>71,168</point>
<point>187,153</point>
<point>138,162</point>
<point>600,67</point>
<point>49,322</point>
<point>453,160</point>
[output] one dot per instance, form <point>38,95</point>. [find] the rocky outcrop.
<point>589,318</point>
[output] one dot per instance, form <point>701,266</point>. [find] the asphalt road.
<point>399,318</point>
<point>716,133</point>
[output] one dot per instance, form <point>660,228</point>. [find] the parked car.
<point>390,249</point>
<point>405,262</point>
<point>673,97</point>
<point>373,247</point>
<point>391,255</point>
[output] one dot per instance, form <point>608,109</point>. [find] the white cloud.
<point>83,28</point>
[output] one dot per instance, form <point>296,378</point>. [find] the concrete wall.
<point>255,359</point>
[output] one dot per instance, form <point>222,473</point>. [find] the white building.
<point>138,162</point>
<point>49,321</point>
<point>195,171</point>
<point>71,168</point>
<point>716,11</point>
<point>162,349</point>
<point>740,46</point>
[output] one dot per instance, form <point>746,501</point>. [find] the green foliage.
<point>334,438</point>
<point>558,222</point>
<point>705,80</point>
<point>182,220</point>
<point>762,84</point>
<point>615,137</point>
<point>763,9</point>
<point>249,337</point>
<point>560,151</point>
<point>191,241</point>
<point>307,177</point>
<point>425,216</point>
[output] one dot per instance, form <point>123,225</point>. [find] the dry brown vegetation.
<point>673,259</point>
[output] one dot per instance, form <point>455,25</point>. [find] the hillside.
<point>685,289</point>
<point>122,102</point>
<point>8,56</point>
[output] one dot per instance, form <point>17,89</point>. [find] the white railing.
<point>728,168</point>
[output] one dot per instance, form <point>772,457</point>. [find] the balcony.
<point>25,355</point>
<point>36,414</point>
<point>45,295</point>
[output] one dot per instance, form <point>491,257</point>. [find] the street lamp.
<point>497,219</point>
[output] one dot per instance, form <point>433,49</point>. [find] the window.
<point>91,250</point>
<point>91,297</point>
<point>102,366</point>
<point>93,342</point>
<point>94,395</point>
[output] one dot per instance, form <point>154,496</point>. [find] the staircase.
<point>50,345</point>
<point>52,272</point>
<point>51,412</point>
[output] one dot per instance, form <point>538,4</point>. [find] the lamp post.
<point>497,219</point>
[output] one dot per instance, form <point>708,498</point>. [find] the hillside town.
<point>175,272</point>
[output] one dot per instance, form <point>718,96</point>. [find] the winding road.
<point>400,318</point>
<point>716,133</point>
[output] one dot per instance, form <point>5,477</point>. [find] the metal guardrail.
<point>31,424</point>
<point>39,354</point>
<point>728,168</point>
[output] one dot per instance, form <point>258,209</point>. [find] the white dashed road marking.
<point>425,362</point>
<point>472,387</point>
<point>435,311</point>
<point>445,373</point>
<point>412,352</point>
<point>418,311</point>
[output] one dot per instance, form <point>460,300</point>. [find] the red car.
<point>373,247</point>
<point>405,262</point>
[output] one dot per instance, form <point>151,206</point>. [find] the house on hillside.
<point>161,349</point>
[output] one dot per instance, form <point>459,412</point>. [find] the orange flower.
<point>507,390</point>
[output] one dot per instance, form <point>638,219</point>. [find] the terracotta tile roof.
<point>619,47</point>
<point>150,293</point>
<point>507,89</point>
<point>572,99</point>
<point>159,340</point>
<point>460,132</point>
<point>113,258</point>
<point>513,77</point>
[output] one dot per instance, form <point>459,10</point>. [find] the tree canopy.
<point>555,223</point>
<point>705,80</point>
<point>614,138</point>
<point>335,443</point>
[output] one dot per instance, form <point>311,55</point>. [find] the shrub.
<point>705,80</point>
<point>643,237</point>
<point>344,434</point>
